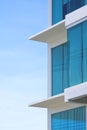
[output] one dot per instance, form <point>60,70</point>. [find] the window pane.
<point>75,65</point>
<point>62,7</point>
<point>56,11</point>
<point>74,4</point>
<point>57,67</point>
<point>74,119</point>
<point>85,51</point>
<point>60,68</point>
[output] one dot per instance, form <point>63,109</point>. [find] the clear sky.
<point>23,64</point>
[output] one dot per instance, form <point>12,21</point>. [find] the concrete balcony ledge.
<point>77,93</point>
<point>72,96</point>
<point>49,102</point>
<point>56,34</point>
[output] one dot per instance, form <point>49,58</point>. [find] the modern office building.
<point>66,37</point>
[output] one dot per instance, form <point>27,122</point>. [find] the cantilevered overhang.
<point>49,102</point>
<point>71,95</point>
<point>52,35</point>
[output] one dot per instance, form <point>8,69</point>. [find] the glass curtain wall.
<point>69,60</point>
<point>62,7</point>
<point>74,119</point>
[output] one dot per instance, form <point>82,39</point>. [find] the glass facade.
<point>69,60</point>
<point>62,7</point>
<point>78,54</point>
<point>74,119</point>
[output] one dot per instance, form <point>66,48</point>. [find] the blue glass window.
<point>74,4</point>
<point>56,11</point>
<point>84,29</point>
<point>77,38</point>
<point>75,65</point>
<point>69,60</point>
<point>62,7</point>
<point>74,119</point>
<point>59,68</point>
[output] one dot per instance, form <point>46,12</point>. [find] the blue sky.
<point>23,64</point>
